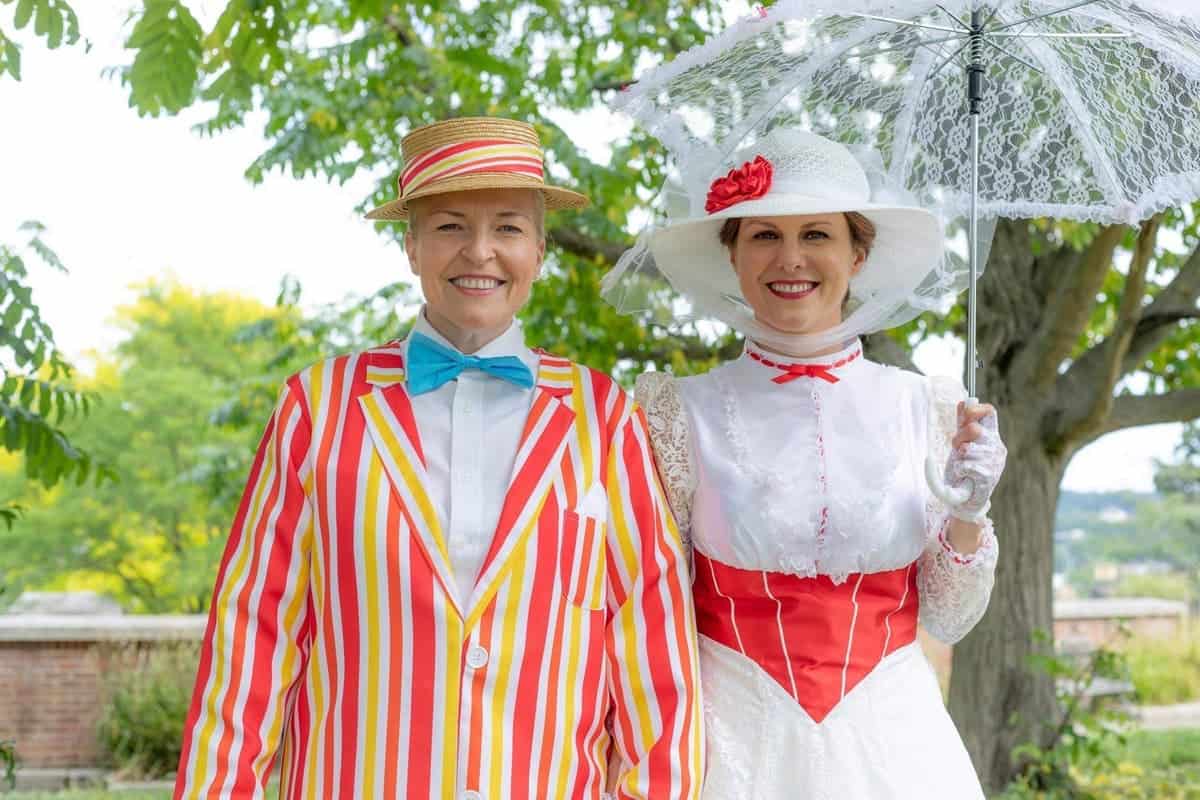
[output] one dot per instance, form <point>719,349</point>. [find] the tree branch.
<point>1173,304</point>
<point>692,349</point>
<point>1113,350</point>
<point>884,349</point>
<point>1131,411</point>
<point>576,242</point>
<point>396,25</point>
<point>611,85</point>
<point>1070,309</point>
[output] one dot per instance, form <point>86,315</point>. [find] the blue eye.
<point>766,235</point>
<point>816,234</point>
<point>510,229</point>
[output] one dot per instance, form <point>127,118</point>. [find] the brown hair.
<point>862,231</point>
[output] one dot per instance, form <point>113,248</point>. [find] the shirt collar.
<point>761,362</point>
<point>509,343</point>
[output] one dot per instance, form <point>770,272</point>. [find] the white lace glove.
<point>976,460</point>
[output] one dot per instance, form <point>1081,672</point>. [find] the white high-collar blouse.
<point>813,476</point>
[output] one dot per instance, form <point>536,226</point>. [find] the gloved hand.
<point>977,457</point>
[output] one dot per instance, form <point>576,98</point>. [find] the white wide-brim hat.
<point>804,174</point>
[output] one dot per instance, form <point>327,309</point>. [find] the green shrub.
<point>8,763</point>
<point>1083,731</point>
<point>1150,765</point>
<point>1165,671</point>
<point>1167,587</point>
<point>148,694</point>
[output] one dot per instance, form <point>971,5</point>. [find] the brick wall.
<point>52,684</point>
<point>1103,632</point>
<point>48,693</point>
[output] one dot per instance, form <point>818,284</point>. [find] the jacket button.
<point>471,794</point>
<point>477,657</point>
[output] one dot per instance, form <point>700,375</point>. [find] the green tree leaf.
<point>23,13</point>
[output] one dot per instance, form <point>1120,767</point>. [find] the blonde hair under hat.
<point>459,155</point>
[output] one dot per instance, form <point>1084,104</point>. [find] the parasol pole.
<point>975,73</point>
<point>951,495</point>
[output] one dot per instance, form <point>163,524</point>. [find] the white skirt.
<point>889,737</point>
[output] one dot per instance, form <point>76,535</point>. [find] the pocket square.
<point>594,503</point>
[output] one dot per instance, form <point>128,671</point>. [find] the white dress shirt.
<point>470,430</point>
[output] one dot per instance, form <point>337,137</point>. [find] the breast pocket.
<point>581,561</point>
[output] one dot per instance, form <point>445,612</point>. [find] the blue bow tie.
<point>431,364</point>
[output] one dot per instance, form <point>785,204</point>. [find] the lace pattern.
<point>1094,144</point>
<point>657,393</point>
<point>890,736</point>
<point>954,588</point>
<point>944,395</point>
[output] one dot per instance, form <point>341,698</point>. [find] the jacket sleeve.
<point>253,647</point>
<point>651,637</point>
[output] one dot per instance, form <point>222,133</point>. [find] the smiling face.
<point>795,271</point>
<point>476,254</point>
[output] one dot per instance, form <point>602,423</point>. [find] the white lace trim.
<point>944,397</point>
<point>657,393</point>
<point>954,589</point>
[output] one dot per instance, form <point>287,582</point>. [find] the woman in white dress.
<point>797,473</point>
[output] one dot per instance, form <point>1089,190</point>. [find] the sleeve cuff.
<point>986,545</point>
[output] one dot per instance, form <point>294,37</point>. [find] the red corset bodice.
<point>817,639</point>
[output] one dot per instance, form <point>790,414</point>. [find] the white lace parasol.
<point>1084,109</point>
<point>1089,109</point>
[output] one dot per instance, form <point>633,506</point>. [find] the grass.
<point>1165,671</point>
<point>1152,765</point>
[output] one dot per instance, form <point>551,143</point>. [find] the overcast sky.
<point>127,199</point>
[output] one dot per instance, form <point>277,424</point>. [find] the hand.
<point>976,460</point>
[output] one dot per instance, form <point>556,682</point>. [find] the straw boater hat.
<point>458,155</point>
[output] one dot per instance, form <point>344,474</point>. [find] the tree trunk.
<point>997,700</point>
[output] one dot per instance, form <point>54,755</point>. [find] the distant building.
<point>1114,515</point>
<point>1148,567</point>
<point>1091,623</point>
<point>1070,535</point>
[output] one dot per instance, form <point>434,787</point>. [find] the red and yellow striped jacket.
<point>335,642</point>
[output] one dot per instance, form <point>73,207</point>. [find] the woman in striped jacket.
<point>453,573</point>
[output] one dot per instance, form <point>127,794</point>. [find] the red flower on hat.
<point>749,181</point>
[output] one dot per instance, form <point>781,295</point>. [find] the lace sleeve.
<point>657,393</point>
<point>954,588</point>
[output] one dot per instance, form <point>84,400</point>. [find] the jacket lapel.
<point>388,412</point>
<point>550,421</point>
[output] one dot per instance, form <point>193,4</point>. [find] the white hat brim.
<point>909,243</point>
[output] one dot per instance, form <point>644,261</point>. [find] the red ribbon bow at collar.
<point>793,371</point>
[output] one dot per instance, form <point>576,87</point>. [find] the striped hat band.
<point>472,157</point>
